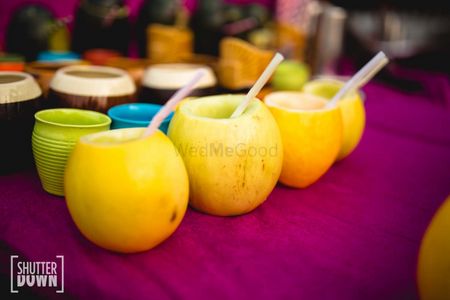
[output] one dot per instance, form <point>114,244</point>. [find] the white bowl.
<point>17,87</point>
<point>86,80</point>
<point>175,76</point>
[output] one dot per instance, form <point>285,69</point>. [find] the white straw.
<point>256,88</point>
<point>171,103</point>
<point>361,77</point>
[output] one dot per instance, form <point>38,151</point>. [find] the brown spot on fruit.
<point>174,216</point>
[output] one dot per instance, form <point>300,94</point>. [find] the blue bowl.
<point>136,115</point>
<point>57,56</point>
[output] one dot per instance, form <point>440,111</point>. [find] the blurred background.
<point>329,37</point>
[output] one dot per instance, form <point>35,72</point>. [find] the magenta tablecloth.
<point>355,234</point>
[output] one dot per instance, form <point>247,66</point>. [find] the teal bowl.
<point>136,115</point>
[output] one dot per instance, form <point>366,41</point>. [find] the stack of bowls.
<point>55,134</point>
<point>20,98</point>
<point>11,62</point>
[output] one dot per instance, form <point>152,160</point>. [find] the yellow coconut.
<point>352,109</point>
<point>433,271</point>
<point>126,193</point>
<point>311,134</point>
<point>233,163</point>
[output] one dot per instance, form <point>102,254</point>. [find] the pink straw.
<point>171,103</point>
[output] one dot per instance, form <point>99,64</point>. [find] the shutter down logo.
<point>42,274</point>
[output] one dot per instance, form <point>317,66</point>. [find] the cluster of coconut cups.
<point>223,154</point>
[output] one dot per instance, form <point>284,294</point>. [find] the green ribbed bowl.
<point>55,134</point>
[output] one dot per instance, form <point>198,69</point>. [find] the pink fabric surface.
<point>355,234</point>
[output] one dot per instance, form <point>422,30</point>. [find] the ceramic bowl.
<point>57,56</point>
<point>136,115</point>
<point>161,81</point>
<point>91,87</point>
<point>43,71</point>
<point>20,98</point>
<point>55,133</point>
